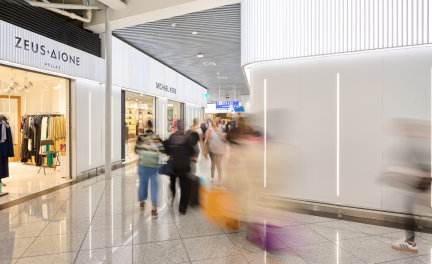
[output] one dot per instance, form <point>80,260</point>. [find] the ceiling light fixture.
<point>217,73</point>
<point>209,63</point>
<point>173,24</point>
<point>200,55</point>
<point>194,33</point>
<point>57,86</point>
<point>222,77</point>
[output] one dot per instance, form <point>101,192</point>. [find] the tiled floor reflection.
<point>99,221</point>
<point>24,180</point>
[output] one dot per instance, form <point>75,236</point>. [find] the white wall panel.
<point>135,70</point>
<point>314,27</point>
<point>374,88</point>
<point>407,94</point>
<point>89,128</point>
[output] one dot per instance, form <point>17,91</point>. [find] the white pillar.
<point>108,93</point>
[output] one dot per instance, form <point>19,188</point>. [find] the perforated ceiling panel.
<point>217,38</point>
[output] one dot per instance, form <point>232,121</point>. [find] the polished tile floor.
<point>99,221</point>
<point>24,180</point>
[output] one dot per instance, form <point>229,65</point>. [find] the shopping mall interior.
<point>282,131</point>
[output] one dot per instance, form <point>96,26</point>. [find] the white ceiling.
<point>218,39</point>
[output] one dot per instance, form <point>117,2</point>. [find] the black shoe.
<point>142,205</point>
<point>183,212</point>
<point>154,214</point>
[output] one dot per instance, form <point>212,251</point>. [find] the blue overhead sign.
<point>227,105</point>
<point>206,95</point>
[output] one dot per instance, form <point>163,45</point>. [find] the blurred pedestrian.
<point>195,137</point>
<point>180,150</point>
<point>409,169</point>
<point>148,147</point>
<point>217,148</point>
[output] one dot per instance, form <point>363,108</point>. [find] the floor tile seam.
<point>365,235</point>
<point>412,257</point>
<point>315,233</point>
<point>332,242</point>
<point>183,244</point>
<point>79,249</point>
<point>239,254</point>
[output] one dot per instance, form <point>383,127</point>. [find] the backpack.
<point>204,129</point>
<point>193,137</point>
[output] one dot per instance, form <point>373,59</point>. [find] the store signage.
<point>166,88</point>
<point>144,106</point>
<point>31,46</point>
<point>23,47</point>
<point>206,95</point>
<point>226,105</point>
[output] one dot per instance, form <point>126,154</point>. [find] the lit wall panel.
<point>282,29</point>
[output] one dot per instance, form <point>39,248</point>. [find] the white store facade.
<point>133,71</point>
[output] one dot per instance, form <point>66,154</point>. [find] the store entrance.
<point>33,111</point>
<point>174,113</point>
<point>139,108</point>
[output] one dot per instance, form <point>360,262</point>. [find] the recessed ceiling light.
<point>194,33</point>
<point>209,63</point>
<point>137,99</point>
<point>217,73</point>
<point>141,94</point>
<point>173,24</point>
<point>200,55</point>
<point>128,98</point>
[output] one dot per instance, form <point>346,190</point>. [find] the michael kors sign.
<point>166,88</point>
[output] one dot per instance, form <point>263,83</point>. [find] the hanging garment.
<point>50,125</point>
<point>44,132</point>
<point>25,152</point>
<point>37,125</point>
<point>3,132</point>
<point>6,151</point>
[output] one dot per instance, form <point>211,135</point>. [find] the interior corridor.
<point>99,221</point>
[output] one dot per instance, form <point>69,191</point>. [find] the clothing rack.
<point>44,114</point>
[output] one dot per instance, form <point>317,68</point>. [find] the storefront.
<point>139,109</point>
<point>49,79</point>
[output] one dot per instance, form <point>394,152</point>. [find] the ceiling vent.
<point>209,63</point>
<point>222,77</point>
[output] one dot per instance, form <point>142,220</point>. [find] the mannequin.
<point>174,124</point>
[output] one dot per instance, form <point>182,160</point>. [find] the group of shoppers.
<point>183,148</point>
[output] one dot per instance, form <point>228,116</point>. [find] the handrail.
<point>342,205</point>
<point>102,166</point>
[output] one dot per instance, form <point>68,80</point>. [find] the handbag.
<point>167,169</point>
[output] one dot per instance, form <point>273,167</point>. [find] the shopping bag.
<point>167,169</point>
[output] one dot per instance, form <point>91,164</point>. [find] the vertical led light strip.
<point>90,133</point>
<point>163,122</point>
<point>337,138</point>
<point>112,127</point>
<point>265,133</point>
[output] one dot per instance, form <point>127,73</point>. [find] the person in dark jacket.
<point>180,149</point>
